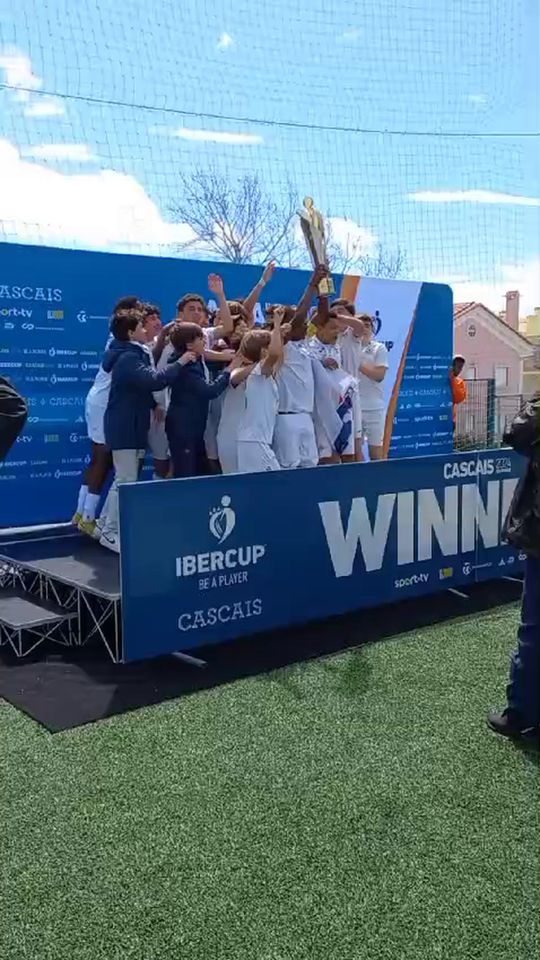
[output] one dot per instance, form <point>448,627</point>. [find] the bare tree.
<point>349,255</point>
<point>238,220</point>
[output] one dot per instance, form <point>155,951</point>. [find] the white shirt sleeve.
<point>210,337</point>
<point>380,357</point>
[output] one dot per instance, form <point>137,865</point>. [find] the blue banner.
<point>54,313</point>
<point>210,559</point>
<point>54,316</point>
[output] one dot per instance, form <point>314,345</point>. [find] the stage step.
<point>22,611</point>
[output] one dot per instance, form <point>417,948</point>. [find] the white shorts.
<point>373,423</point>
<point>256,457</point>
<point>94,414</point>
<point>157,441</point>
<point>294,441</point>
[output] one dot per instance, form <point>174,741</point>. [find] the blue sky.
<point>388,114</point>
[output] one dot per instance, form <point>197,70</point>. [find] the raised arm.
<point>311,291</point>
<point>253,298</point>
<point>226,325</point>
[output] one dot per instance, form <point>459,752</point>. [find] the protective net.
<point>195,129</point>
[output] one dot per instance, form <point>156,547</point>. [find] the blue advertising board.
<point>206,560</point>
<point>54,314</point>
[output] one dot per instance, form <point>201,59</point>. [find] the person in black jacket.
<point>188,407</point>
<point>127,417</point>
<point>522,530</point>
<point>13,416</point>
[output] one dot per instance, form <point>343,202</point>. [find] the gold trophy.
<point>312,224</point>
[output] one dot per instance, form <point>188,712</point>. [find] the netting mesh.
<point>139,126</point>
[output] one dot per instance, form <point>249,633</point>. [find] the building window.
<point>471,330</point>
<point>501,376</point>
<point>470,372</point>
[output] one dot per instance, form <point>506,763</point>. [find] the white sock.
<point>156,476</point>
<point>83,493</point>
<point>90,506</point>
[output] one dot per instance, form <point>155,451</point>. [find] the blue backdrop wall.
<point>54,308</point>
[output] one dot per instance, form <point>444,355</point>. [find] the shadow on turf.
<point>66,688</point>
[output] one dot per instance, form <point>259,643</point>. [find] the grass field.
<point>350,808</point>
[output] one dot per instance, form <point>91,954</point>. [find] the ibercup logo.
<point>377,323</point>
<point>222,520</point>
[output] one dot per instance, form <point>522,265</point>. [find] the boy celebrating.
<point>257,425</point>
<point>294,438</point>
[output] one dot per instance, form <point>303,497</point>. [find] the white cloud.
<point>45,107</point>
<point>477,98</point>
<point>103,210</point>
<point>524,277</point>
<point>210,136</point>
<point>473,196</point>
<point>60,151</point>
<point>225,41</point>
<point>18,73</point>
<point>352,33</point>
<point>351,237</point>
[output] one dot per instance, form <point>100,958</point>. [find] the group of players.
<point>216,393</point>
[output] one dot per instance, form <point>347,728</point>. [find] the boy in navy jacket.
<point>188,407</point>
<point>127,417</point>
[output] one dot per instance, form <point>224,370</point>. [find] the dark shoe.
<point>509,724</point>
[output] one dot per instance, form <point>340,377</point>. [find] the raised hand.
<point>215,284</point>
<point>269,271</point>
<point>276,317</point>
<point>321,271</point>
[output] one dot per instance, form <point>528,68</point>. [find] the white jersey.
<point>232,411</point>
<point>351,352</point>
<point>321,351</point>
<point>372,393</point>
<point>98,395</point>
<point>295,379</point>
<point>259,419</point>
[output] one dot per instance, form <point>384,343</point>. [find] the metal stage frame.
<point>69,571</point>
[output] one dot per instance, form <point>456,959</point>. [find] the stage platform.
<point>60,566</point>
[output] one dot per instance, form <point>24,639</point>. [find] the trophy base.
<point>326,287</point>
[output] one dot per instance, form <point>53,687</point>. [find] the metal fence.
<point>484,416</point>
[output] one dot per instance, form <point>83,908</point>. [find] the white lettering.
<point>475,515</point>
<point>432,521</point>
<point>372,541</point>
<point>405,531</point>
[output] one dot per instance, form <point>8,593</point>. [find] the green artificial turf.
<point>350,808</point>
